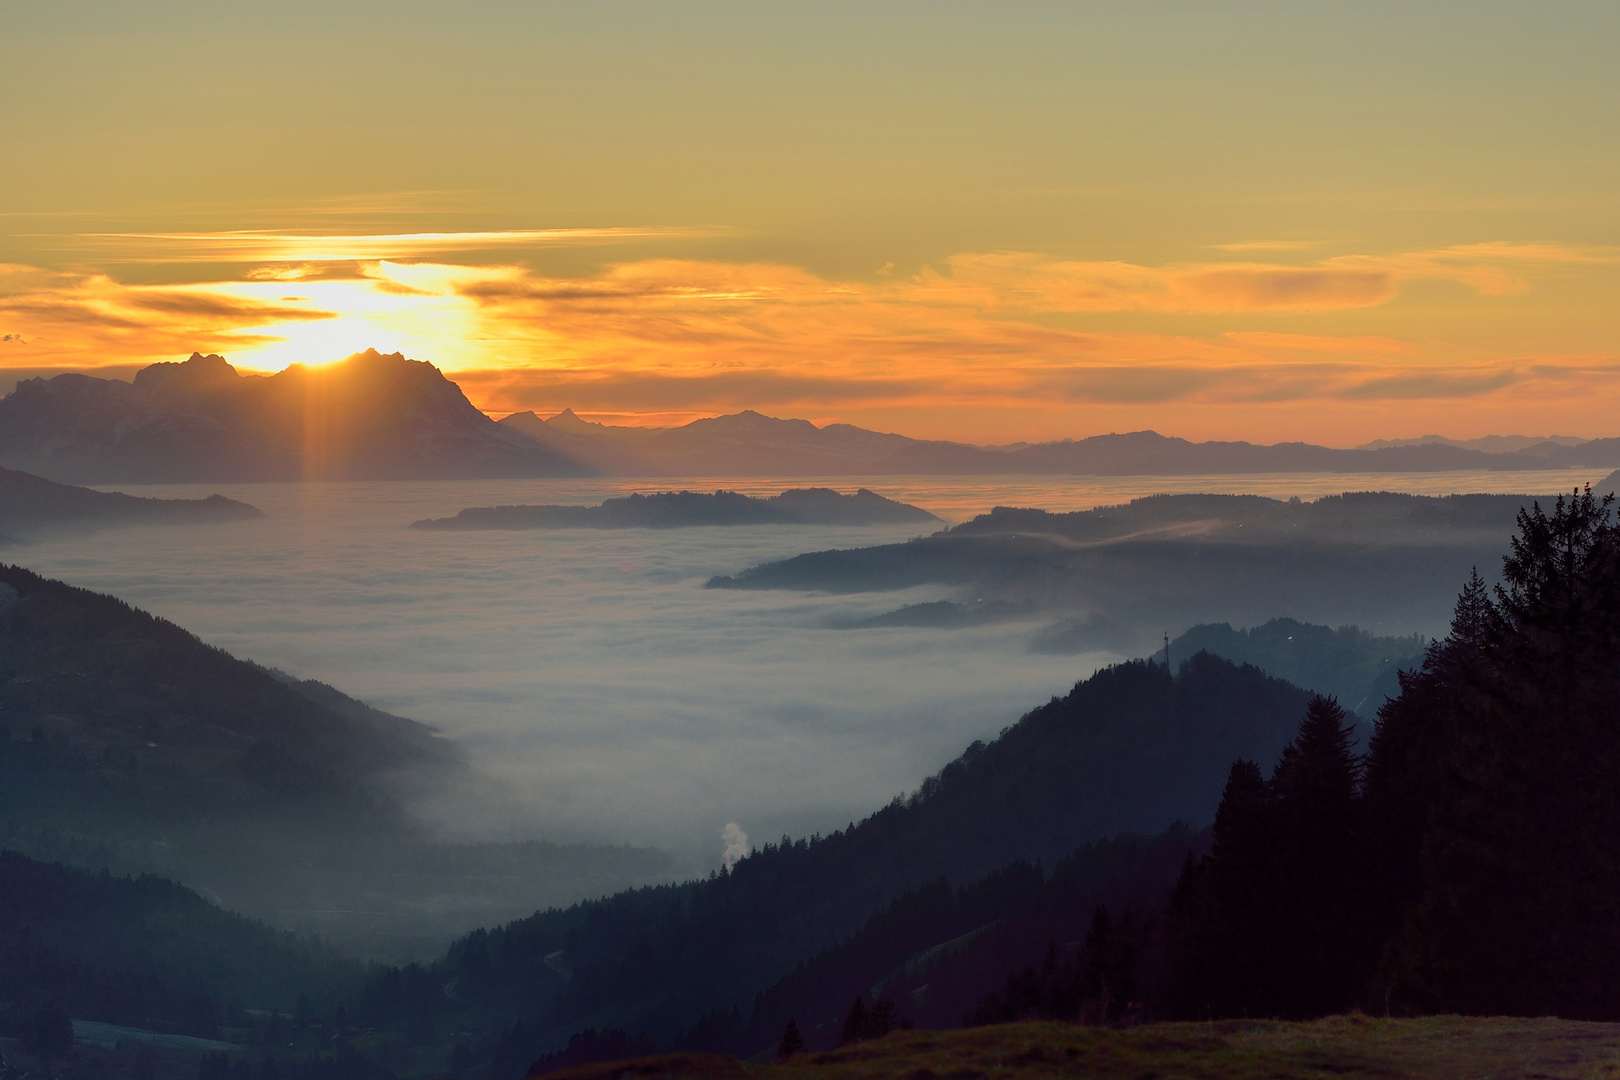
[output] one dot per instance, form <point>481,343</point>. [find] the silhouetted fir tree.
<point>1218,925</point>
<point>1107,987</point>
<point>792,1040</point>
<point>862,1023</point>
<point>1403,777</point>
<point>1520,910</point>
<point>854,1029</point>
<point>1269,923</point>
<point>1315,910</point>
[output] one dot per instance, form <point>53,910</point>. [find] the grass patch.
<point>1353,1047</point>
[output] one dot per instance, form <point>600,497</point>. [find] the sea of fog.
<point>589,673</point>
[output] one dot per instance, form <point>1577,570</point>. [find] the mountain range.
<point>370,417</point>
<point>378,417</point>
<point>751,444</point>
<point>1116,576</point>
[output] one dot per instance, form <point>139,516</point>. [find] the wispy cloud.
<point>243,246</point>
<point>669,339</point>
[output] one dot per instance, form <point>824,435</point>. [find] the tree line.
<point>1468,862</point>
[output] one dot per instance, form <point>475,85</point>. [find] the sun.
<point>390,308</point>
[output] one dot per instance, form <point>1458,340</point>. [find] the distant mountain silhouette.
<point>751,444</point>
<point>1357,668</point>
<point>368,417</point>
<point>1121,574</point>
<point>31,505</point>
<point>680,509</point>
<point>384,417</point>
<point>741,444</point>
<point>1609,485</point>
<point>1490,444</point>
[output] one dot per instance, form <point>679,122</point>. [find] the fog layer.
<point>607,693</point>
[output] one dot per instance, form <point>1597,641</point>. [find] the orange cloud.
<point>94,319</point>
<point>668,339</point>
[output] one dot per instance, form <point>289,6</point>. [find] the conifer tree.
<point>792,1041</point>
<point>1520,911</point>
<point>854,1022</point>
<point>1314,909</point>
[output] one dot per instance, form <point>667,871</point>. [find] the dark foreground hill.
<point>32,506</point>
<point>128,743</point>
<point>680,509</point>
<point>1120,575</point>
<point>370,417</point>
<point>1129,750</point>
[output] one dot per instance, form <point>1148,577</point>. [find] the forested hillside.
<point>1469,862</point>
<point>148,953</point>
<point>1359,669</point>
<point>1131,749</point>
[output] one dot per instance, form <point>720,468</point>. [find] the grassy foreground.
<point>1340,1046</point>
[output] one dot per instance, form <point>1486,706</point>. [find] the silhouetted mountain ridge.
<point>1119,575</point>
<point>384,417</point>
<point>752,444</point>
<point>681,509</point>
<point>369,417</point>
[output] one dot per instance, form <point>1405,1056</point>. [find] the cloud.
<point>666,340</point>
<point>93,319</point>
<point>250,245</point>
<point>736,842</point>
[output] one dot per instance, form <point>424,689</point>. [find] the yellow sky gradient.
<point>1240,221</point>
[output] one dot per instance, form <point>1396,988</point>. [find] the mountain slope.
<point>147,952</point>
<point>1129,750</point>
<point>368,417</point>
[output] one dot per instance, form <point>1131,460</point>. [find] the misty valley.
<point>227,861</point>
<point>493,775</point>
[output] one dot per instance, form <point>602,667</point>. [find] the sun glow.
<point>1011,344</point>
<point>389,307</point>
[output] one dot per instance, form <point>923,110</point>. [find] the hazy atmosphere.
<point>616,698</point>
<point>720,541</point>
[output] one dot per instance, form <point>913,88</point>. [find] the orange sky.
<point>935,219</point>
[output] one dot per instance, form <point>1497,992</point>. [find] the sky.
<point>996,223</point>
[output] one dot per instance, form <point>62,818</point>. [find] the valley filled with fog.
<point>608,696</point>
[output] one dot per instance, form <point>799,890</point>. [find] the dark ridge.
<point>31,504</point>
<point>680,509</point>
